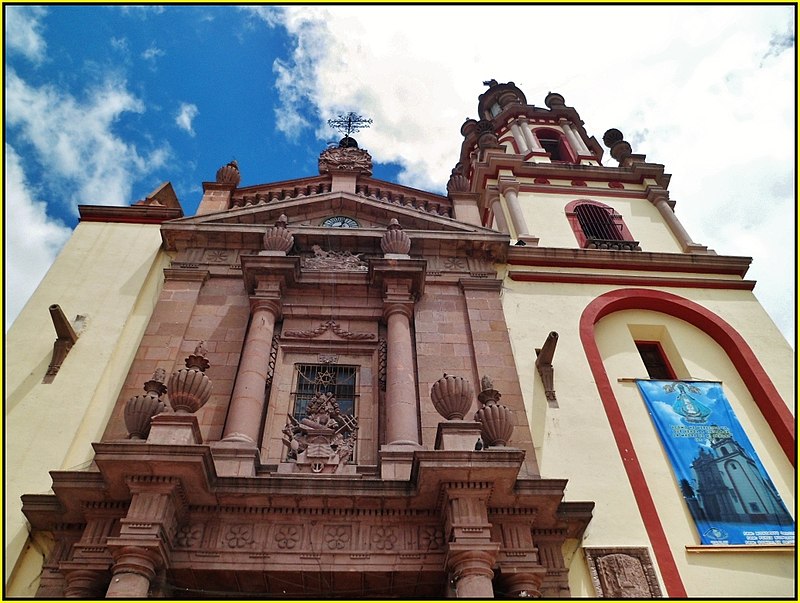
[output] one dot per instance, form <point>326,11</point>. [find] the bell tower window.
<point>598,226</point>
<point>556,146</point>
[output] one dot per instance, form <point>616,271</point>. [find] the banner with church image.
<point>728,492</point>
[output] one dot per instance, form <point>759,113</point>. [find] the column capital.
<point>404,308</point>
<point>143,559</point>
<point>266,304</point>
<point>506,183</point>
<point>268,275</point>
<point>398,273</point>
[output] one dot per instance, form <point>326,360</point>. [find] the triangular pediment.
<point>424,216</point>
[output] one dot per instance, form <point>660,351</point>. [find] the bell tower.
<point>539,177</point>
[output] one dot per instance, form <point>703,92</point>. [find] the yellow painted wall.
<point>575,440</point>
<point>545,217</point>
<point>111,274</point>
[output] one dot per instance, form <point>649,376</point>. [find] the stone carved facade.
<point>242,495</point>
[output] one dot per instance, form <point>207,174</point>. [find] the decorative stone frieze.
<point>140,410</point>
<point>326,326</point>
<point>189,388</point>
<point>344,261</point>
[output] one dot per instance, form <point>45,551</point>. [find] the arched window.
<point>598,226</point>
<point>555,144</point>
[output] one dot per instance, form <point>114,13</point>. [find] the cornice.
<point>628,260</point>
<point>134,214</point>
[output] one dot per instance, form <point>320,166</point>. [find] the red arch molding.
<point>744,360</point>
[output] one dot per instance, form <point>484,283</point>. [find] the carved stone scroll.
<point>335,328</point>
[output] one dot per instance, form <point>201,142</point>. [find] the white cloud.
<point>152,53</point>
<point>706,90</point>
<point>23,29</point>
<point>74,139</point>
<point>32,237</point>
<point>186,114</point>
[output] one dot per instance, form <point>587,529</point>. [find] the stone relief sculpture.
<point>334,260</point>
<point>344,158</point>
<point>623,573</point>
<point>323,441</point>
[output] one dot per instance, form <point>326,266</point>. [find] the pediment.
<point>243,227</point>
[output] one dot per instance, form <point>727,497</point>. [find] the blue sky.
<point>103,103</point>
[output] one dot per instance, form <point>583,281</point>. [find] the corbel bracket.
<point>66,339</point>
<point>544,364</point>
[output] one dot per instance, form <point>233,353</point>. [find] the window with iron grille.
<point>598,226</point>
<point>314,379</point>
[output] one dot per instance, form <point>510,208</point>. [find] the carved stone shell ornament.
<point>452,397</point>
<point>497,420</point>
<point>395,240</point>
<point>229,174</point>
<point>140,410</point>
<point>277,238</point>
<point>189,388</point>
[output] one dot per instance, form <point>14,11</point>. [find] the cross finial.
<point>349,123</point>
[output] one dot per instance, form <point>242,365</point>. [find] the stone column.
<point>402,424</point>
<point>134,568</point>
<point>573,140</point>
<point>522,584</point>
<point>519,137</point>
<point>499,214</point>
<point>471,572</point>
<point>582,148</point>
<point>83,583</point>
<point>142,547</point>
<point>509,188</point>
<point>471,554</point>
<point>247,402</point>
<point>660,201</point>
<point>533,142</point>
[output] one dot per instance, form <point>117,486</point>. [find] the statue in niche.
<point>323,440</point>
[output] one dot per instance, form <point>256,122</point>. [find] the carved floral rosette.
<point>189,388</point>
<point>395,240</point>
<point>497,420</point>
<point>452,397</point>
<point>140,410</point>
<point>277,238</point>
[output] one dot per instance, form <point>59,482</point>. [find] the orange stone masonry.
<point>318,466</point>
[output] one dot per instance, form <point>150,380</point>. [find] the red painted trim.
<point>513,142</point>
<point>641,281</point>
<point>744,360</point>
<point>595,192</point>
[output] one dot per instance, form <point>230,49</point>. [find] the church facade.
<point>341,387</point>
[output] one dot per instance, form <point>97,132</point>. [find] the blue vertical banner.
<point>728,492</point>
